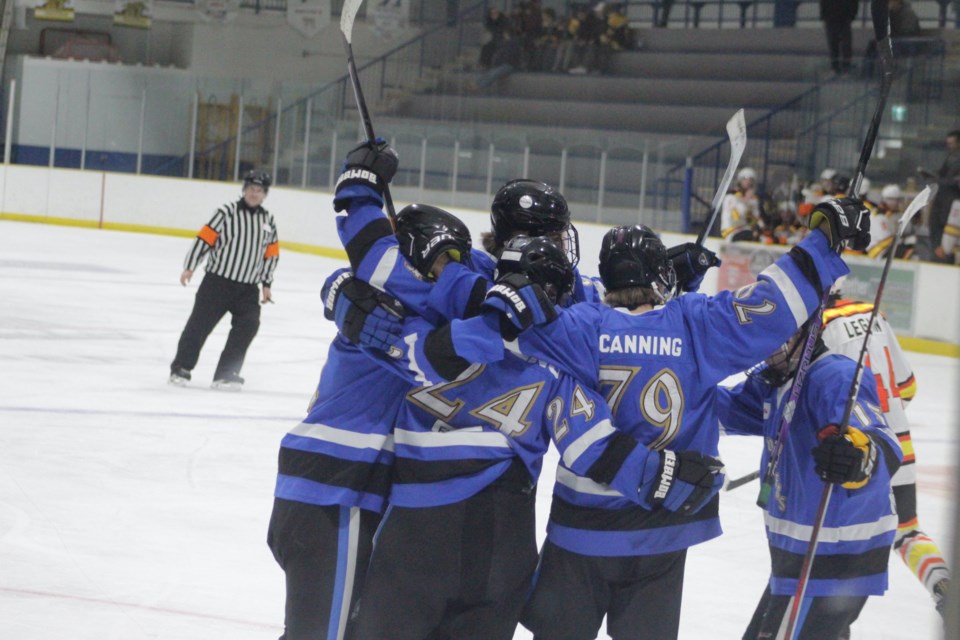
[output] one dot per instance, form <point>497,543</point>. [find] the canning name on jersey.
<point>858,529</point>
<point>241,242</point>
<point>666,363</point>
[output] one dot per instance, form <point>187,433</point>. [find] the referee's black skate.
<point>179,376</point>
<point>228,382</point>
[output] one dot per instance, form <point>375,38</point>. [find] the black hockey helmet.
<point>425,232</point>
<point>540,260</point>
<point>841,182</point>
<point>533,208</point>
<point>635,257</point>
<point>257,177</point>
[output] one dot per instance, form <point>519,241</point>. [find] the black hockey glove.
<point>847,459</point>
<point>690,262</point>
<point>371,164</point>
<point>684,481</point>
<point>364,315</point>
<point>521,303</point>
<point>843,220</point>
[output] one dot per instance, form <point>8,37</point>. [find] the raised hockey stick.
<point>737,134</point>
<point>918,203</point>
<point>347,15</point>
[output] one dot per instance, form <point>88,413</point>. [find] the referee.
<point>241,241</point>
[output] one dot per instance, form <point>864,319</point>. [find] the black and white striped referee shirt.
<point>242,244</point>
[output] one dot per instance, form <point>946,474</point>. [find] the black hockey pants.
<point>820,618</point>
<point>217,296</point>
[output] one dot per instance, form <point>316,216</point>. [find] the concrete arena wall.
<point>306,222</point>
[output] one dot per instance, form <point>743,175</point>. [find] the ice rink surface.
<point>130,509</point>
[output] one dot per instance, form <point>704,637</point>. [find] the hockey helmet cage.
<point>533,208</point>
<point>542,261</point>
<point>257,177</point>
<point>635,257</point>
<point>425,232</point>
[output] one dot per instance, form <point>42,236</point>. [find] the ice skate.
<point>179,377</point>
<point>228,382</point>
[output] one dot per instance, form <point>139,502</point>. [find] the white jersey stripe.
<point>576,448</point>
<point>584,485</point>
<point>343,437</point>
<point>790,293</point>
<point>848,533</point>
<point>465,437</point>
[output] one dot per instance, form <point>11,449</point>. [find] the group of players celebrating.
<point>404,505</point>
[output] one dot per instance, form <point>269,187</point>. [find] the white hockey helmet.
<point>864,188</point>
<point>891,192</point>
<point>747,173</point>
<point>828,174</point>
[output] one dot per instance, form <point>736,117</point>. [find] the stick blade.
<point>737,134</point>
<point>347,15</point>
<point>919,202</point>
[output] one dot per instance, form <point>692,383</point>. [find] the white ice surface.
<point>130,509</point>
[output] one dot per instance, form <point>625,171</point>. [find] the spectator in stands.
<point>664,15</point>
<point>496,23</point>
<point>529,24</point>
<point>547,44</point>
<point>618,36</point>
<point>587,27</point>
<point>838,17</point>
<point>948,180</point>
<point>506,59</point>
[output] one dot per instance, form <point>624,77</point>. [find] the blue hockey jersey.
<point>341,454</point>
<point>854,543</point>
<point>454,438</point>
<point>658,371</point>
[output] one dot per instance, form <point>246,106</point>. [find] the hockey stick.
<point>737,134</point>
<point>347,15</point>
<point>742,480</point>
<point>918,203</point>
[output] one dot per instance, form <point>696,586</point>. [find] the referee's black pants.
<point>215,297</point>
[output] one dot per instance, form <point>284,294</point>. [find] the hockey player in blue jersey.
<point>853,547</point>
<point>335,467</point>
<point>659,369</point>
<point>456,551</point>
